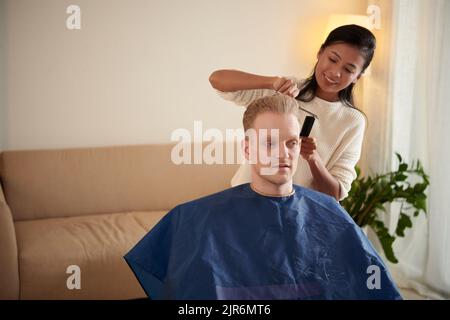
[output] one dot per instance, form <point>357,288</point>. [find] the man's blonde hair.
<point>279,103</point>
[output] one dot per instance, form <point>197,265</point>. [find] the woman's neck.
<point>327,96</point>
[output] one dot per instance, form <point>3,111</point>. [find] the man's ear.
<point>245,144</point>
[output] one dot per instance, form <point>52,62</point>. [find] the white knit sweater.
<point>339,131</point>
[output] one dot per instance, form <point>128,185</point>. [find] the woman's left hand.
<point>308,149</point>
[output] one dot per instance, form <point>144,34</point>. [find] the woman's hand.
<point>308,149</point>
<point>285,86</point>
<point>323,181</point>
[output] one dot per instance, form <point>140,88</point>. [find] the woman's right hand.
<point>285,86</point>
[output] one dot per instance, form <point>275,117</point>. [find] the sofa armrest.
<point>9,276</point>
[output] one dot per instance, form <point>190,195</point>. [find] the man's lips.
<point>283,165</point>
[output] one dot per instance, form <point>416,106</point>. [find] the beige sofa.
<point>87,207</point>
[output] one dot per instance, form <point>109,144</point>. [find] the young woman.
<point>331,152</point>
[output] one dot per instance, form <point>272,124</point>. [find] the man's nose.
<point>283,151</point>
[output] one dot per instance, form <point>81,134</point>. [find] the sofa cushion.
<point>95,243</point>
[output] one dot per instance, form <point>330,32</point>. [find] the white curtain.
<point>418,95</point>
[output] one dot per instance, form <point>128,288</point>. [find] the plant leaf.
<point>403,222</point>
<point>421,204</point>
<point>386,240</point>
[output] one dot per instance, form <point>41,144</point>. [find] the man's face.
<point>274,156</point>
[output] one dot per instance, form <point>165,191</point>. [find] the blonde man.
<point>272,134</point>
<point>267,240</point>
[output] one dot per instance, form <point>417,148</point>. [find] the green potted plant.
<point>370,195</point>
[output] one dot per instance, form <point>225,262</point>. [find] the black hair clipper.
<point>307,126</point>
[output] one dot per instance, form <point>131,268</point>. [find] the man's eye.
<point>293,143</point>
<point>332,60</point>
<point>349,71</point>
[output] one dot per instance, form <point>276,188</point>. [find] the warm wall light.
<point>337,20</point>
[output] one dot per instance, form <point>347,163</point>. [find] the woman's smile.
<point>329,81</point>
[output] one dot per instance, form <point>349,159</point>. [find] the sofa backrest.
<point>72,182</point>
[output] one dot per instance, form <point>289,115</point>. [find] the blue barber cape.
<point>238,244</point>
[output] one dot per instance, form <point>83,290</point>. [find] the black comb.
<point>307,126</point>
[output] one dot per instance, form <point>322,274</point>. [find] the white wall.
<point>139,69</point>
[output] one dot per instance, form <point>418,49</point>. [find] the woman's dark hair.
<point>351,34</point>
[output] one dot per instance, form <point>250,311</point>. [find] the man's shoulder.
<point>215,198</point>
<point>315,196</point>
<point>326,203</point>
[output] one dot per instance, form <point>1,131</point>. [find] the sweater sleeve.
<point>347,156</point>
<point>245,97</point>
